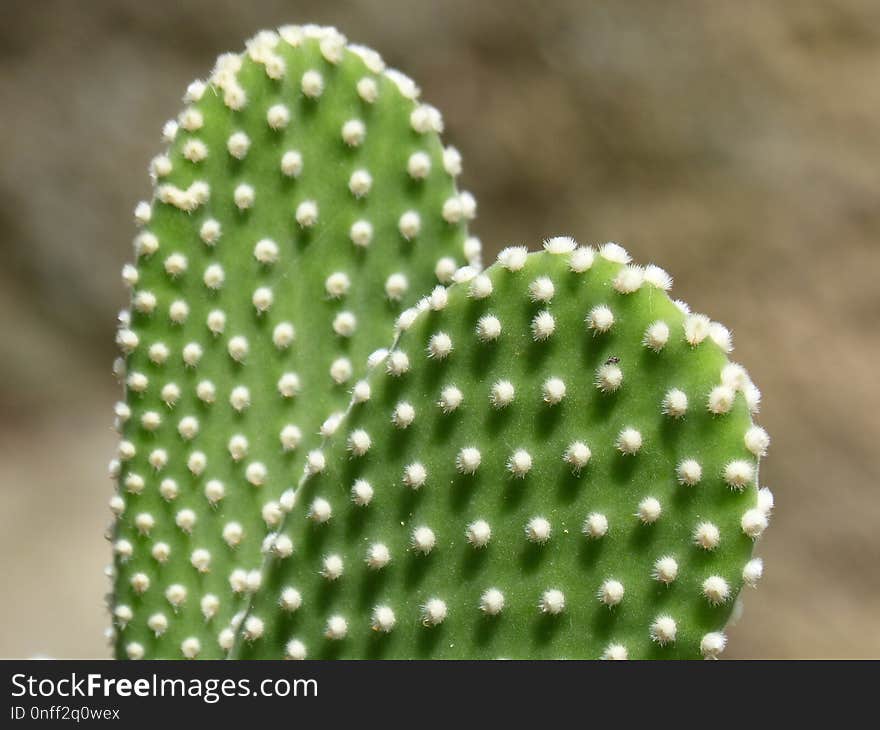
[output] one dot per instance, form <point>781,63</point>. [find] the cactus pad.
<point>555,461</point>
<point>304,201</point>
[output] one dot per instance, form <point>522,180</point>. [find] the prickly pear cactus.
<point>556,461</point>
<point>305,199</point>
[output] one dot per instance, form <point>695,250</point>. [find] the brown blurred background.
<point>737,144</point>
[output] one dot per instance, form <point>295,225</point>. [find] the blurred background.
<point>736,144</point>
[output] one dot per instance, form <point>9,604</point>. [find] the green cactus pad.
<point>556,461</point>
<point>304,201</point>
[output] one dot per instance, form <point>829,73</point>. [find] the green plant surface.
<point>556,461</point>
<point>304,201</point>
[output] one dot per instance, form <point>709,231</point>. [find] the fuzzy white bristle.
<point>502,394</point>
<point>595,525</point>
<point>478,533</point>
<point>552,602</point>
<point>378,556</point>
<point>577,455</point>
<point>720,400</point>
<point>609,378</point>
<point>600,319</point>
<point>675,403</point>
<point>492,602</point>
<point>409,224</point>
<point>278,116</point>
<point>629,441</point>
<point>649,510</point>
<point>295,650</point>
<point>425,118</point>
<point>614,252</point>
<point>738,474</point>
<point>403,416</point>
<point>541,289</point>
<point>553,391</point>
<point>397,363</point>
<point>312,84</point>
<point>689,472</point>
<point>434,612</point>
<point>665,569</point>
<point>696,328</point>
<point>439,346</point>
<point>336,628</point>
<point>396,286</point>
<point>610,592</point>
<point>538,530</point>
<point>765,501</point>
<point>707,535</point>
<point>320,511</point>
<point>543,326</point>
<point>238,145</point>
<point>513,258</point>
<point>754,522</point>
<point>656,336</point>
<point>362,492</point>
<point>629,279</point>
<point>480,287</point>
<point>716,589</point>
<point>468,460</point>
<point>712,644</point>
<point>581,259</point>
<point>488,328</point>
<point>292,163</point>
<point>560,245</point>
<point>520,463</point>
<point>423,539</point>
<point>307,213</point>
<point>757,440</point>
<point>752,572</point>
<point>359,442</point>
<point>615,652</point>
<point>244,196</point>
<point>333,567</point>
<point>415,475</point>
<point>315,461</point>
<point>664,630</point>
<point>383,619</point>
<point>450,399</point>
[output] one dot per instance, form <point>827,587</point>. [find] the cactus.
<point>327,453</point>
<point>556,461</point>
<point>304,201</point>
